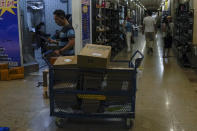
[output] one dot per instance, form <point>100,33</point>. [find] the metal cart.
<point>94,93</point>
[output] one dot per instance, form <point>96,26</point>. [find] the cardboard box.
<point>93,81</point>
<point>45,92</point>
<point>16,76</point>
<point>3,66</point>
<point>66,75</point>
<point>64,101</point>
<point>90,106</point>
<point>4,75</point>
<point>16,70</point>
<point>66,62</point>
<point>119,79</point>
<point>94,56</point>
<point>118,64</point>
<point>45,78</point>
<point>52,60</point>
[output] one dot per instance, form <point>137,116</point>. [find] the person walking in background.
<point>149,28</point>
<point>128,29</point>
<point>167,28</point>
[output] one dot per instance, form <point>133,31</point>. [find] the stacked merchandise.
<point>14,73</point>
<point>183,34</point>
<point>7,73</point>
<point>107,25</point>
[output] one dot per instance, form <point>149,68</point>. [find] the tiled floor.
<point>166,99</point>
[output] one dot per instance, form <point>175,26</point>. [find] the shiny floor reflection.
<point>166,99</point>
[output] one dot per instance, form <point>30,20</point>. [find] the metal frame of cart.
<point>73,92</point>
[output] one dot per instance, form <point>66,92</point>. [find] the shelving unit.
<point>106,25</point>
<point>183,36</point>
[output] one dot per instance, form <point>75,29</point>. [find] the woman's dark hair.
<point>60,13</point>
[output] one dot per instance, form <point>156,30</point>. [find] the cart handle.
<point>138,61</point>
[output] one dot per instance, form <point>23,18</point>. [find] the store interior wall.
<point>195,23</point>
<point>77,24</point>
<point>26,36</point>
<point>50,7</point>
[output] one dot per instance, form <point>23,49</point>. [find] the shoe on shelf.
<point>100,2</point>
<point>107,5</point>
<point>106,40</point>
<point>103,4</point>
<point>99,41</point>
<point>100,28</point>
<point>98,6</point>
<point>107,28</point>
<point>99,17</point>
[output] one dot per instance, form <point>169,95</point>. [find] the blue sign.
<point>9,34</point>
<point>4,129</point>
<point>85,21</point>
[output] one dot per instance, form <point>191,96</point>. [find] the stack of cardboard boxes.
<point>93,57</point>
<point>7,74</point>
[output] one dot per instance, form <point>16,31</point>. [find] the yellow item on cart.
<point>92,97</point>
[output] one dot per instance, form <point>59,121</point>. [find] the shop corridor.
<point>166,99</point>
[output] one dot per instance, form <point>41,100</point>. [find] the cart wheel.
<point>59,122</point>
<point>128,123</point>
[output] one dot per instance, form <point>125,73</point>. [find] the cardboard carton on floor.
<point>3,66</point>
<point>94,56</point>
<point>66,62</point>
<point>16,76</point>
<point>16,70</point>
<point>4,75</point>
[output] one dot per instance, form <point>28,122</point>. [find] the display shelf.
<point>183,34</point>
<point>109,19</point>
